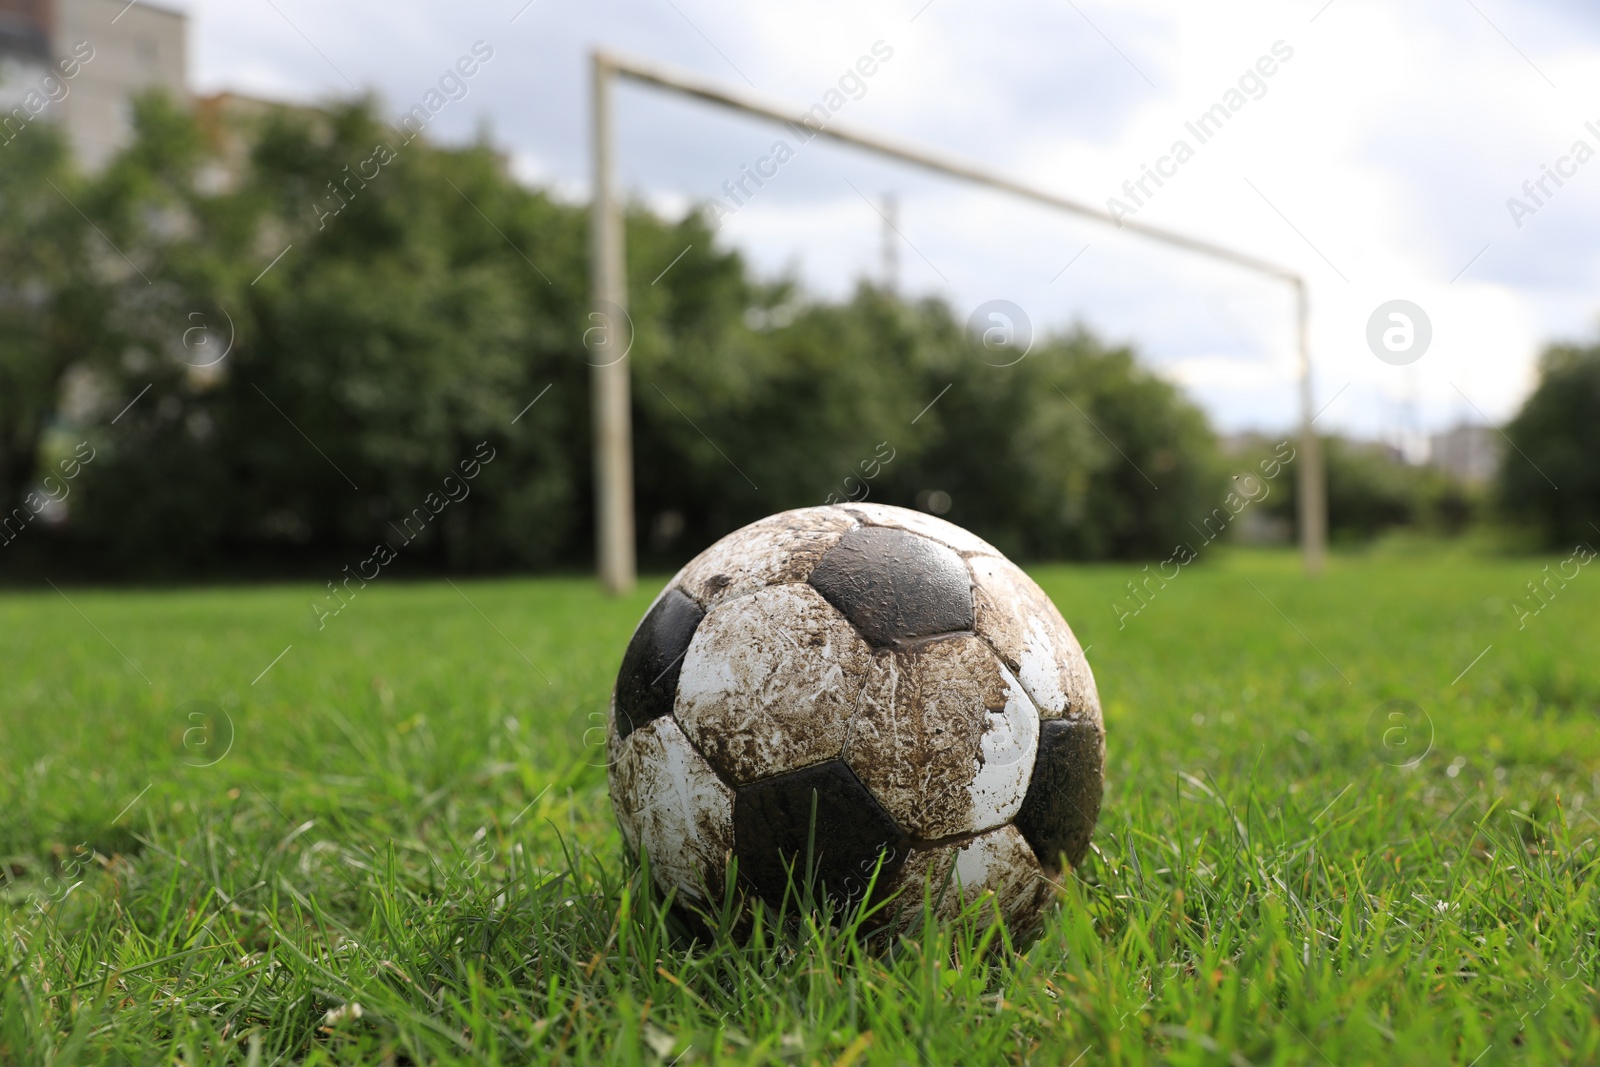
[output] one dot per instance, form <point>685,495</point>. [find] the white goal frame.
<point>613,434</point>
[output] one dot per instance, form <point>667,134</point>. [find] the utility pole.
<point>891,244</point>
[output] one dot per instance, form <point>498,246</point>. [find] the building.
<point>26,44</point>
<point>228,121</point>
<point>1470,453</point>
<point>80,63</point>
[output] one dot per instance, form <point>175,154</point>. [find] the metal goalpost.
<point>613,435</point>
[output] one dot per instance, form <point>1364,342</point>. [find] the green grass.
<point>412,817</point>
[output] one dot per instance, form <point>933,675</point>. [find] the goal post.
<point>613,462</point>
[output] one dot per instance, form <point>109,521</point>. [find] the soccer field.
<point>231,836</point>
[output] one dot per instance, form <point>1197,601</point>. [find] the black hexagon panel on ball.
<point>863,702</point>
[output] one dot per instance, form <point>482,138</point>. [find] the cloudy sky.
<point>1377,159</point>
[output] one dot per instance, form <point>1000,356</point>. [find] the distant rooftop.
<point>26,28</point>
<point>108,52</point>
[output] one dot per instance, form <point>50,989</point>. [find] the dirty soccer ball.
<point>855,686</point>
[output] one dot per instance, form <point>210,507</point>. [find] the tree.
<point>425,300</point>
<point>54,268</point>
<point>1550,479</point>
<point>390,309</point>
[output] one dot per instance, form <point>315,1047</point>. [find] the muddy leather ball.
<point>865,693</point>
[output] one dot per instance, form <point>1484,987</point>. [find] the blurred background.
<point>270,272</point>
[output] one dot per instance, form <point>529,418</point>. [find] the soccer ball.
<point>861,695</point>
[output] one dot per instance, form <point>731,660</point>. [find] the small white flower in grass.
<point>338,1015</point>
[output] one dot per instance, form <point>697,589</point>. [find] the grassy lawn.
<point>407,812</point>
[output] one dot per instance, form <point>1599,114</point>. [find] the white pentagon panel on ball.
<point>998,862</point>
<point>944,736</point>
<point>779,549</point>
<point>770,681</point>
<point>1023,625</point>
<point>918,522</point>
<point>673,808</point>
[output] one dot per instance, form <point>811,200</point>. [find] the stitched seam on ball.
<point>770,585</point>
<point>696,750</point>
<point>854,703</point>
<point>964,553</point>
<point>763,588</point>
<point>855,710</point>
<point>1070,712</point>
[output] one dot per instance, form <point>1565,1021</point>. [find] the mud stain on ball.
<point>769,683</point>
<point>945,736</point>
<point>955,877</point>
<point>1023,625</point>
<point>777,550</point>
<point>672,806</point>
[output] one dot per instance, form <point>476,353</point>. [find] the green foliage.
<point>389,341</point>
<point>1028,454</point>
<point>1550,480</point>
<point>51,283</point>
<point>423,299</point>
<point>405,813</point>
<point>1371,491</point>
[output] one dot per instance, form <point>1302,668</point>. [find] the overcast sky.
<point>1377,158</point>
